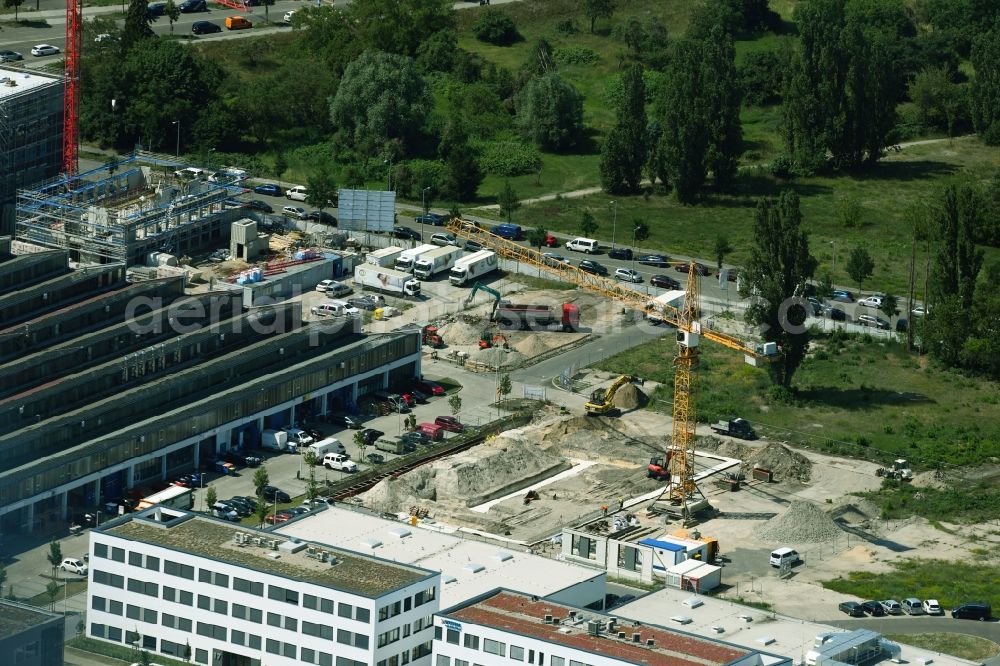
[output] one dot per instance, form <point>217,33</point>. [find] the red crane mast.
<point>71,88</point>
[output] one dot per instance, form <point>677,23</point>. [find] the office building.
<point>30,636</point>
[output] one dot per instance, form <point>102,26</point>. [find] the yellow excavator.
<point>602,401</point>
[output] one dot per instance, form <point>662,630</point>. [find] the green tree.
<point>860,266</point>
<point>957,263</point>
<point>55,555</point>
<point>380,97</point>
<point>52,590</point>
<point>624,152</point>
<point>211,497</point>
<point>824,288</point>
<point>505,387</point>
<point>640,230</point>
<point>321,189</point>
<point>985,89</point>
<point>934,93</point>
<point>537,236</point>
<point>508,201</point>
<point>646,42</point>
<point>595,9</point>
<point>16,4</point>
<point>267,4</point>
<point>187,651</point>
<point>454,402</point>
<point>777,269</point>
<point>588,224</point>
<point>172,12</point>
<point>722,248</point>
<point>144,659</point>
<point>310,460</point>
<point>136,25</point>
<point>390,25</point>
<point>261,511</point>
<point>890,306</point>
<point>260,480</point>
<point>851,214</point>
<point>722,97</point>
<point>542,59</point>
<point>496,27</point>
<point>550,112</point>
<point>281,165</point>
<point>463,175</point>
<point>361,443</point>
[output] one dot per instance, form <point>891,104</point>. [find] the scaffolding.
<point>125,210</point>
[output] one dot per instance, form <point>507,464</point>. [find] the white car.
<point>295,211</point>
<point>73,565</point>
<point>553,259</point>
<point>919,311</point>
<point>444,240</point>
<point>289,14</point>
<point>627,275</point>
<point>44,50</point>
<point>334,288</point>
<point>871,302</point>
<point>932,607</point>
<point>892,607</point>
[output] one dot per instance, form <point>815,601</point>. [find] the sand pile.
<point>611,440</point>
<point>495,356</point>
<point>463,331</point>
<point>785,463</point>
<point>802,522</point>
<point>630,396</point>
<point>532,345</point>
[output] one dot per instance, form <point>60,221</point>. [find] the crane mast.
<point>71,88</point>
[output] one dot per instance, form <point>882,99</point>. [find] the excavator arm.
<point>607,400</point>
<point>492,292</point>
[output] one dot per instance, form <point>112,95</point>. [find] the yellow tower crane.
<point>682,489</point>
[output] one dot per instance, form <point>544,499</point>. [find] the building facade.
<point>30,636</point>
<point>182,585</point>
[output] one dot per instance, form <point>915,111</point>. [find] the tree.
<point>985,89</point>
<point>778,268</point>
<point>588,225</point>
<point>261,511</point>
<point>55,555</point>
<point>260,480</point>
<point>52,590</point>
<point>542,59</point>
<point>172,12</point>
<point>933,93</point>
<point>136,25</point>
<point>722,248</point>
<point>537,236</point>
<point>624,152</point>
<point>211,497</point>
<point>851,214</point>
<point>281,165</point>
<point>640,230</point>
<point>3,569</point>
<point>496,27</point>
<point>646,42</point>
<point>860,266</point>
<point>16,4</point>
<point>958,216</point>
<point>187,651</point>
<point>393,26</point>
<point>454,402</point>
<point>267,4</point>
<point>595,9</point>
<point>505,387</point>
<point>463,173</point>
<point>824,288</point>
<point>380,97</point>
<point>508,201</point>
<point>890,306</point>
<point>310,460</point>
<point>144,659</point>
<point>361,442</point>
<point>321,190</point>
<point>550,112</point>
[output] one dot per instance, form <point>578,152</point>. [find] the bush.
<point>576,55</point>
<point>510,158</point>
<point>567,27</point>
<point>782,167</point>
<point>496,27</point>
<point>415,175</point>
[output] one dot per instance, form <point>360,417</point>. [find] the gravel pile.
<point>496,356</point>
<point>785,463</point>
<point>802,522</point>
<point>463,331</point>
<point>630,396</point>
<point>532,345</point>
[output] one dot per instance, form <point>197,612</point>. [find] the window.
<point>516,653</point>
<point>361,641</point>
<point>114,634</point>
<point>168,620</point>
<point>423,623</point>
<point>392,610</point>
<point>253,641</point>
<point>204,602</point>
<point>256,615</point>
<point>307,655</point>
<point>132,612</point>
<point>142,587</point>
<point>406,630</point>
<point>461,662</point>
<point>152,563</point>
<point>443,660</point>
<point>557,661</point>
<point>115,607</point>
<point>98,603</point>
<point>274,619</point>
<point>494,647</point>
<point>205,629</point>
<point>531,656</point>
<point>179,570</point>
<point>577,663</point>
<point>118,554</point>
<point>186,598</point>
<point>437,633</point>
<point>452,636</point>
<point>291,623</point>
<point>360,614</point>
<point>472,641</point>
<point>346,610</point>
<point>97,630</point>
<point>135,559</point>
<point>168,593</point>
<point>201,656</point>
<point>237,637</point>
<point>288,650</point>
<point>105,578</point>
<point>309,601</point>
<point>240,611</point>
<point>326,659</point>
<point>344,661</point>
<point>184,624</point>
<point>385,638</point>
<point>584,547</point>
<point>407,604</point>
<point>424,596</point>
<point>221,606</point>
<point>282,594</point>
<point>422,650</point>
<point>171,648</point>
<point>101,550</point>
<point>250,587</point>
<point>149,642</point>
<point>149,615</point>
<point>629,558</point>
<point>404,658</point>
<point>206,576</point>
<point>273,646</point>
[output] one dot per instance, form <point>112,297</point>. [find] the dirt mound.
<point>532,345</point>
<point>590,438</point>
<point>630,396</point>
<point>497,356</point>
<point>463,331</point>
<point>399,493</point>
<point>802,522</point>
<point>785,463</point>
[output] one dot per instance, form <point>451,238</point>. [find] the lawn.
<point>855,397</point>
<point>963,646</point>
<point>66,589</point>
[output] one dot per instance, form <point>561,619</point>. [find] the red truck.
<point>515,315</point>
<point>432,430</point>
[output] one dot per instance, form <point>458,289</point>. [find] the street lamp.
<point>834,244</point>
<point>614,224</point>
<point>423,199</point>
<point>177,147</point>
<point>388,174</point>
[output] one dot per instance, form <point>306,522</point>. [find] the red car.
<point>551,241</point>
<point>275,518</point>
<point>449,423</point>
<point>428,387</point>
<point>700,269</point>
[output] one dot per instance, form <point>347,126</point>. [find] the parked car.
<point>289,14</point>
<point>892,607</point>
<point>664,282</point>
<point>835,314</point>
<point>473,246</point>
<point>429,387</point>
<point>871,302</point>
<point>44,50</point>
<point>366,302</point>
<point>405,233</point>
<point>295,211</point>
<point>155,9</point>
<point>322,217</point>
<point>919,311</point>
<point>443,239</point>
<point>432,219</point>
<point>842,296</point>
<point>248,504</point>
<point>658,260</point>
<point>627,275</point>
<point>297,510</point>
<point>273,494</point>
<point>852,608</point>
<point>416,437</point>
<point>449,423</point>
<point>262,206</point>
<point>553,259</point>
<point>817,306</point>
<point>371,435</point>
<point>620,253</point>
<point>375,458</point>
<point>873,608</point>
<point>10,56</point>
<point>685,266</point>
<point>73,565</point>
<point>932,607</point>
<point>278,518</point>
<point>873,322</point>
<point>972,610</point>
<point>593,267</point>
<point>732,275</point>
<point>551,241</point>
<point>296,193</point>
<point>334,288</point>
<point>192,6</point>
<point>270,189</point>
<point>346,421</point>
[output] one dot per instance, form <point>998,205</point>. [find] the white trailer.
<point>473,266</point>
<point>437,261</point>
<point>386,280</point>
<point>385,257</point>
<point>404,262</point>
<point>176,497</point>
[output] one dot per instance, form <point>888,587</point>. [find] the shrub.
<point>782,167</point>
<point>576,55</point>
<point>567,27</point>
<point>510,158</point>
<point>496,27</point>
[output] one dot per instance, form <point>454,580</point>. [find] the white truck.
<point>473,266</point>
<point>276,440</point>
<point>385,257</point>
<point>404,262</point>
<point>436,261</point>
<point>325,446</point>
<point>339,461</point>
<point>386,279</point>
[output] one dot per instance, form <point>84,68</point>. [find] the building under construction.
<point>31,115</point>
<point>124,211</point>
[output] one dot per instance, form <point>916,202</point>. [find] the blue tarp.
<point>663,545</point>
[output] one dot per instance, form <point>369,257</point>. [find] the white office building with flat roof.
<point>180,584</point>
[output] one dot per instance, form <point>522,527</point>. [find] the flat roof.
<point>469,568</point>
<point>525,615</point>
<point>15,617</point>
<point>24,81</point>
<point>214,539</point>
<point>745,626</point>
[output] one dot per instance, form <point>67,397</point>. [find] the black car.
<point>271,189</point>
<point>155,9</point>
<point>405,232</point>
<point>248,501</point>
<point>192,6</point>
<point>10,56</point>
<point>873,608</point>
<point>973,610</point>
<point>417,394</point>
<point>363,303</point>
<point>416,437</point>
<point>852,608</point>
<point>658,260</point>
<point>371,435</point>
<point>204,28</point>
<point>473,246</point>
<point>262,206</point>
<point>432,219</point>
<point>323,217</point>
<point>272,494</point>
<point>593,267</point>
<point>346,421</point>
<point>620,253</point>
<point>241,508</point>
<point>375,458</point>
<point>835,314</point>
<point>664,282</point>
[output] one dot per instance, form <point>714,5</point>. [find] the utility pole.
<point>614,223</point>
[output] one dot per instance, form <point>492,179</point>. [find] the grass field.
<point>963,646</point>
<point>950,582</point>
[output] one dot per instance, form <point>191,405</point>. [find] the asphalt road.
<point>920,624</point>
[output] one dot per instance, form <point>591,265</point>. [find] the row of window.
<point>419,599</point>
<point>490,646</point>
<point>406,656</point>
<point>393,635</point>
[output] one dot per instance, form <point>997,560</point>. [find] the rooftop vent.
<point>448,579</point>
<point>292,546</point>
<point>555,620</point>
<point>650,642</point>
<point>400,532</point>
<point>593,627</point>
<point>636,638</point>
<point>474,567</point>
<point>548,619</point>
<point>371,543</point>
<point>502,556</point>
<point>621,635</point>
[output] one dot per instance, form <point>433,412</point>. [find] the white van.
<point>328,445</point>
<point>276,440</point>
<point>783,555</point>
<point>339,461</point>
<point>296,193</point>
<point>298,437</point>
<point>585,245</point>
